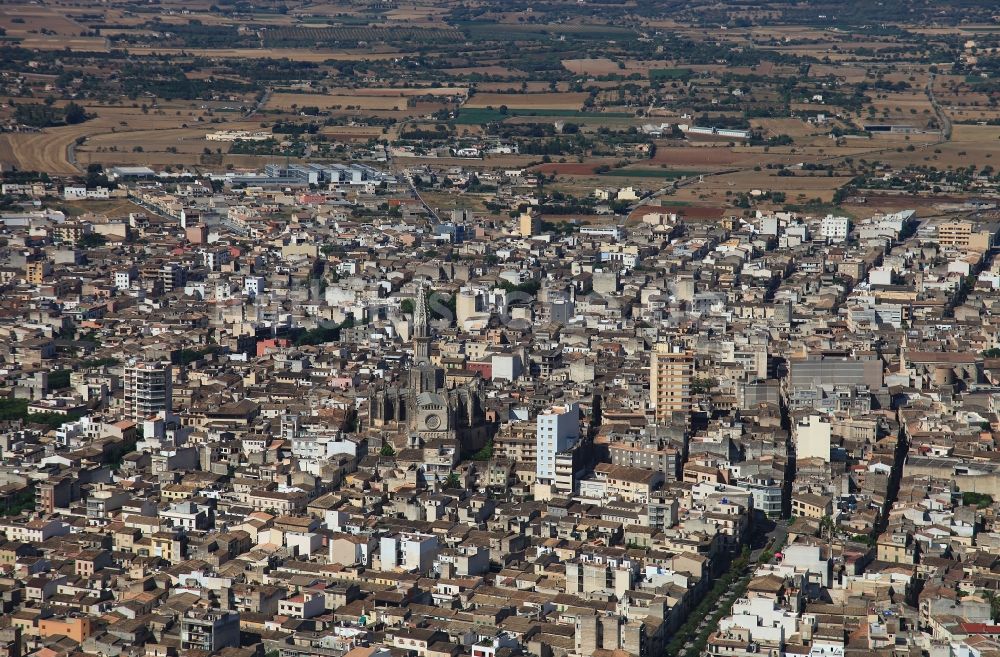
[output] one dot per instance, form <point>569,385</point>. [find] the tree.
<point>453,481</point>
<point>387,450</point>
<point>91,241</point>
<point>994,601</point>
<point>826,527</point>
<point>981,500</point>
<point>37,115</point>
<point>485,454</point>
<point>74,113</point>
<point>96,176</point>
<point>701,385</point>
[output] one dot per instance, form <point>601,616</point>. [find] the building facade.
<point>557,429</point>
<point>148,389</point>
<point>671,370</point>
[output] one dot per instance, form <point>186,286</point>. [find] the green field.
<point>480,115</point>
<point>484,31</point>
<point>663,174</point>
<point>669,73</point>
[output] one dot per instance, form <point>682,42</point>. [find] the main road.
<point>943,119</point>
<point>259,105</point>
<point>405,173</point>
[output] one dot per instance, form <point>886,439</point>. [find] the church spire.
<point>421,329</point>
<point>421,324</point>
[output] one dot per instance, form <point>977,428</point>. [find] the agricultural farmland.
<point>352,36</point>
<point>564,93</point>
<point>529,101</point>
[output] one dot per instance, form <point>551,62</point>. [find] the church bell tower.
<point>424,377</point>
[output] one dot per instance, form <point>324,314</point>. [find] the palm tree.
<point>826,527</point>
<point>994,600</point>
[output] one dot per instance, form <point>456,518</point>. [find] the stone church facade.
<point>425,410</point>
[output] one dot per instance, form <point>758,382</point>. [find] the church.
<point>426,410</point>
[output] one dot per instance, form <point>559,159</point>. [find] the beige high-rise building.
<point>670,372</point>
<point>529,224</point>
<point>968,235</point>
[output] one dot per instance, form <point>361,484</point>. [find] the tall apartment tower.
<point>670,372</point>
<point>210,630</point>
<point>557,429</point>
<point>529,224</point>
<point>148,389</point>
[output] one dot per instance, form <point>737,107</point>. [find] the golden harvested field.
<point>500,71</point>
<point>903,100</point>
<point>531,87</point>
<point>967,98</point>
<point>414,13</point>
<point>351,133</point>
<point>711,157</point>
<point>113,126</point>
<point>593,66</point>
<point>662,23</point>
<point>400,92</point>
<point>211,18</point>
<point>285,101</point>
<point>970,144</point>
<point>127,32</point>
<point>787,31</point>
<point>810,107</point>
<point>795,128</point>
<point>188,140</point>
<point>117,16</point>
<point>157,159</point>
<point>797,188</point>
<point>78,44</point>
<point>294,54</point>
<point>704,156</point>
<point>36,19</point>
<point>41,151</point>
<point>643,66</point>
<point>849,73</point>
<point>972,113</point>
<point>568,101</point>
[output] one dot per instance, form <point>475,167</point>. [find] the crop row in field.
<point>481,115</point>
<point>663,174</point>
<point>483,31</point>
<point>326,35</point>
<point>669,73</point>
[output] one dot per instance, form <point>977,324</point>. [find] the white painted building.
<point>766,622</point>
<point>408,551</point>
<point>124,278</point>
<point>507,367</point>
<point>835,229</point>
<point>558,428</point>
<point>812,438</point>
<point>253,285</point>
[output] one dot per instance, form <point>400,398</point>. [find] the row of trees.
<point>44,115</point>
